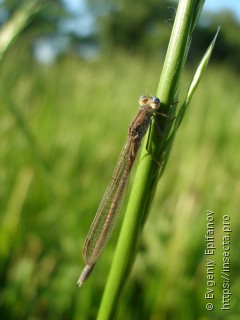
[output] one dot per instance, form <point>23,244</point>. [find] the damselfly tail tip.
<point>79,282</point>
<point>85,274</point>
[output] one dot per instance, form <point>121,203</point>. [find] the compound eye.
<point>143,100</point>
<point>155,103</point>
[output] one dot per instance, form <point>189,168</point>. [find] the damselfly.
<point>110,206</point>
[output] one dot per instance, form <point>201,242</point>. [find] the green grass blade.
<point>196,79</point>
<point>16,24</point>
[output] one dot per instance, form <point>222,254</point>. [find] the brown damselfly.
<point>110,206</point>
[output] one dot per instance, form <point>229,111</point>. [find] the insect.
<point>111,204</point>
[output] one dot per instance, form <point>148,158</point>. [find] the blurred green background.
<point>67,96</point>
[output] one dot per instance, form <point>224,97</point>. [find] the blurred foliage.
<point>137,26</point>
<point>73,115</point>
<point>142,26</point>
